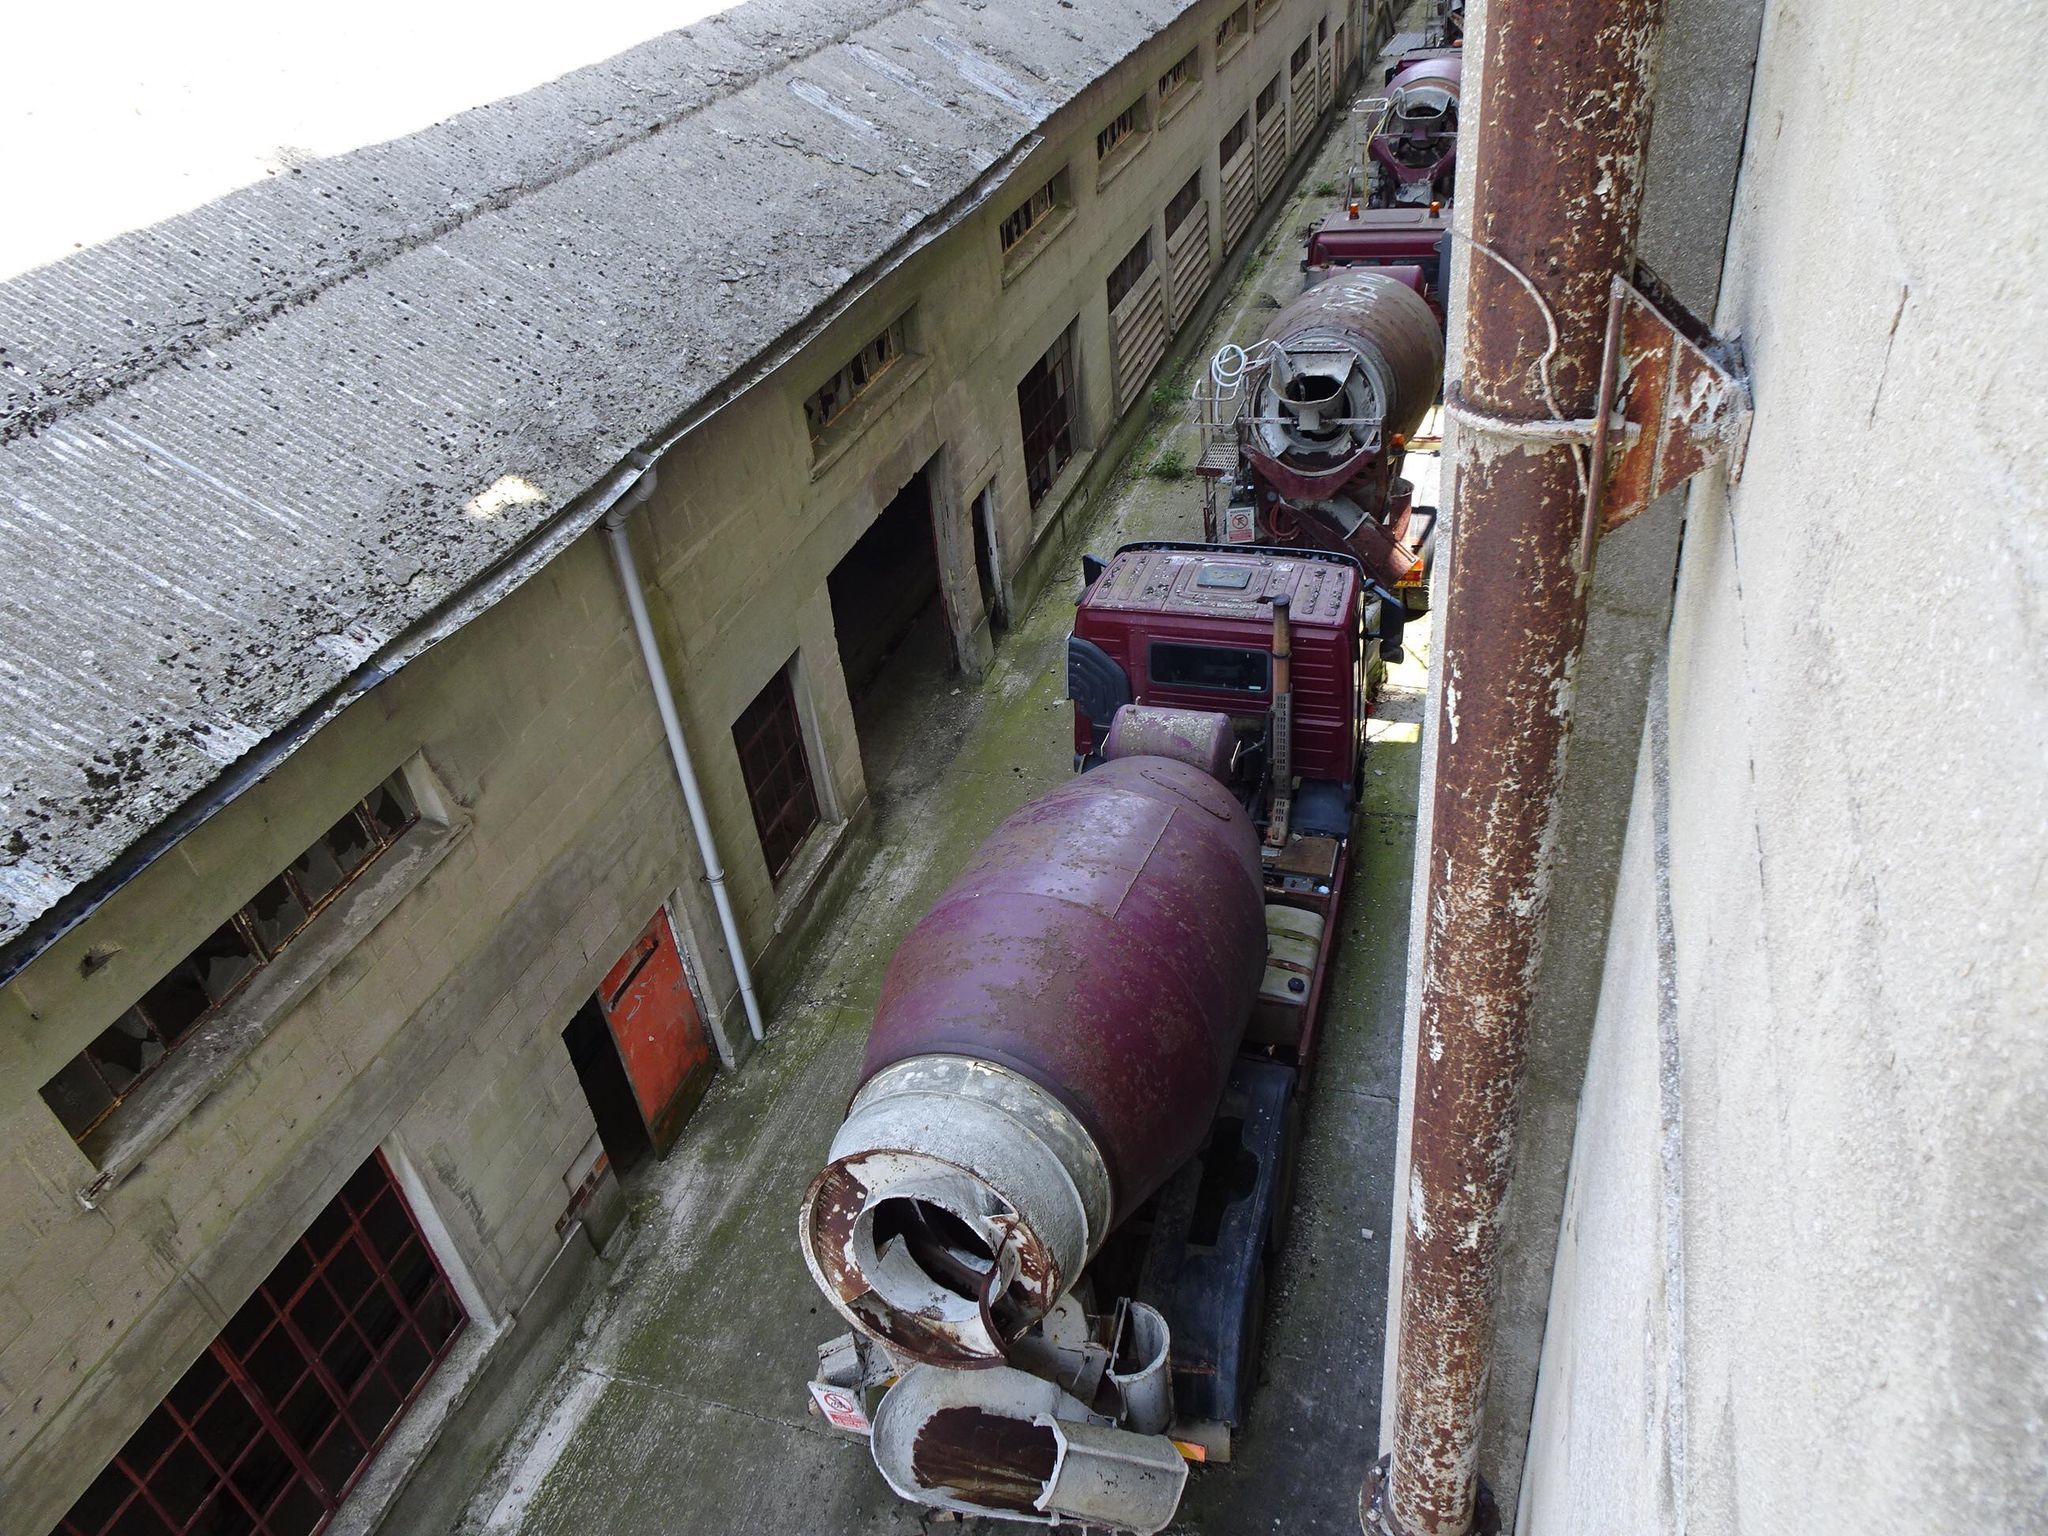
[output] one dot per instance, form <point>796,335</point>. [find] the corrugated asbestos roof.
<point>237,447</point>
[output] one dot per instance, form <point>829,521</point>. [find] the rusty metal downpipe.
<point>1560,124</point>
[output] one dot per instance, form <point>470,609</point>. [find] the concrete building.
<point>357,936</point>
<point>1773,1247</point>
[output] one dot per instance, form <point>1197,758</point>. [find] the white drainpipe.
<point>672,726</point>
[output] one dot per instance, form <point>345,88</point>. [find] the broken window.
<point>1125,274</point>
<point>1036,209</point>
<point>1179,77</point>
<point>1233,29</point>
<point>1233,141</point>
<point>275,1422</point>
<point>1045,404</point>
<point>1183,203</point>
<point>1269,98</point>
<point>95,1081</point>
<point>836,395</point>
<point>1121,129</point>
<point>769,738</point>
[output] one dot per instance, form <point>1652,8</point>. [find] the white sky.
<point>117,115</point>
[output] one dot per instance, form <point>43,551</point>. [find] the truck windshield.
<point>1226,668</point>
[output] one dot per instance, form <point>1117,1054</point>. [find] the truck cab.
<point>1167,635</point>
<point>1411,243</point>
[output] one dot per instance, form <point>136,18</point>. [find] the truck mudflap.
<point>1009,1445</point>
<point>1205,1263</point>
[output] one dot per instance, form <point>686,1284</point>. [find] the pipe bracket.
<point>1683,393</point>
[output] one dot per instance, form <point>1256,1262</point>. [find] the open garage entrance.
<point>895,645</point>
<point>885,592</point>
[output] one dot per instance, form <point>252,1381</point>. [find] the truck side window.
<point>1225,668</point>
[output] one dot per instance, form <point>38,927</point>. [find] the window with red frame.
<point>269,1430</point>
<point>769,738</point>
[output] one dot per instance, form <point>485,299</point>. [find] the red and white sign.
<point>841,1408</point>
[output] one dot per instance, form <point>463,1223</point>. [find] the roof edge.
<point>490,587</point>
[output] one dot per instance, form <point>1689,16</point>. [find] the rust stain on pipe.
<point>1561,122</point>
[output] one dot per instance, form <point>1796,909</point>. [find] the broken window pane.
<point>175,1003</point>
<point>275,915</point>
<point>350,844</point>
<point>224,961</point>
<point>95,1082</point>
<point>391,808</point>
<point>125,1050</point>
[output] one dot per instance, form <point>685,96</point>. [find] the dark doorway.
<point>610,1091</point>
<point>887,587</point>
<point>985,559</point>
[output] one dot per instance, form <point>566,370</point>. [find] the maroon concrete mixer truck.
<point>1304,432</point>
<point>1048,1212</point>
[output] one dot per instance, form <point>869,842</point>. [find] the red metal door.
<point>660,1034</point>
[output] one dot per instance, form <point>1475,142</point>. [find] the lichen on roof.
<point>250,452</point>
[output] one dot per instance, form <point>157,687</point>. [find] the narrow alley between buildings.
<point>683,1405</point>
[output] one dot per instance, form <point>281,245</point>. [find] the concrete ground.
<point>684,1409</point>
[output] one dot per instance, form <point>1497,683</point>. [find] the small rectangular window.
<point>1300,60</point>
<point>1180,76</point>
<point>769,738</point>
<point>1184,202</point>
<point>96,1081</point>
<point>1233,141</point>
<point>1045,406</point>
<point>1233,29</point>
<point>1121,128</point>
<point>1125,274</point>
<point>1269,98</point>
<point>1035,210</point>
<point>836,395</point>
<point>1217,668</point>
<point>1323,30</point>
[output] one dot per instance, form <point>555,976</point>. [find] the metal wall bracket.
<point>1683,396</point>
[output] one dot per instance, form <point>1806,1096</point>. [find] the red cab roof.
<point>1227,584</point>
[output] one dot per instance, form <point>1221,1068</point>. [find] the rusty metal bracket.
<point>1685,406</point>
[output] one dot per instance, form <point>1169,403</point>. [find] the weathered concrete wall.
<point>437,1036</point>
<point>438,1033</point>
<point>1798,1280</point>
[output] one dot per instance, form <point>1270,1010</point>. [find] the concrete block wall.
<point>1798,1282</point>
<point>438,1034</point>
